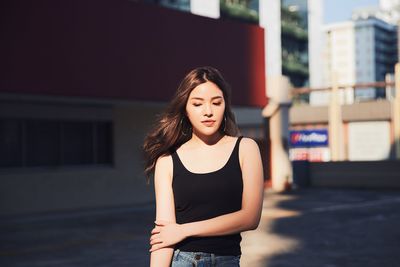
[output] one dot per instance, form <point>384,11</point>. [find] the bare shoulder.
<point>164,161</point>
<point>164,167</point>
<point>248,149</point>
<point>248,145</point>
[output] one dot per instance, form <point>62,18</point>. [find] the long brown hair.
<point>173,128</point>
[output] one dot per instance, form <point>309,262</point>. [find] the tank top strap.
<point>173,155</point>
<point>176,163</point>
<point>235,152</point>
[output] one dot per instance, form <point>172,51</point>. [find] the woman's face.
<point>205,108</point>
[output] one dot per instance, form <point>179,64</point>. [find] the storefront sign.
<point>309,138</point>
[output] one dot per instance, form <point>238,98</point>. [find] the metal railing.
<point>379,89</point>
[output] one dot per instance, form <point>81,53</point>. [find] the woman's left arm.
<point>247,218</point>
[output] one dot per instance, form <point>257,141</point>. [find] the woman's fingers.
<point>154,236</point>
<point>155,230</point>
<point>155,241</point>
<point>161,223</point>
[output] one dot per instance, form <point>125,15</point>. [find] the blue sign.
<point>309,138</point>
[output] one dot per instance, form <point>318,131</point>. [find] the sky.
<point>340,10</point>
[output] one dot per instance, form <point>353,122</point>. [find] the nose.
<point>208,110</point>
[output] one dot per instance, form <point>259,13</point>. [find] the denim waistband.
<point>197,257</point>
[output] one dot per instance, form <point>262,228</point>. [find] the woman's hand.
<point>165,234</point>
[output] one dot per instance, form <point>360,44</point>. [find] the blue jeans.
<point>201,259</point>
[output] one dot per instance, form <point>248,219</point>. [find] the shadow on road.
<point>327,227</point>
<point>307,227</point>
<point>109,238</point>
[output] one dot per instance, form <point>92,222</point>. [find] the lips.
<point>208,123</point>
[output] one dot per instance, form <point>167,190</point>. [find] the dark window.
<point>42,143</point>
<point>104,142</point>
<point>10,143</point>
<point>34,142</point>
<point>77,143</point>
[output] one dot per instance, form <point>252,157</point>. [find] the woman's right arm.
<point>165,207</point>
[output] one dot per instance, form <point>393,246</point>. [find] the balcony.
<point>292,29</point>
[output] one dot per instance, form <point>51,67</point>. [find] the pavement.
<point>306,227</point>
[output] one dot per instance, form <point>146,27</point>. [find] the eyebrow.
<point>212,98</point>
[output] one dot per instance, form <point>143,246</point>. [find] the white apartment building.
<point>339,56</point>
<point>358,51</point>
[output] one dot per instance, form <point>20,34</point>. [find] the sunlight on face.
<point>205,109</point>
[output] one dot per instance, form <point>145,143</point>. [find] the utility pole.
<point>335,122</point>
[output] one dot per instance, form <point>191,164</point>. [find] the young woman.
<point>208,182</point>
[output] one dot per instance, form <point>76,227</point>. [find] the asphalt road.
<point>303,228</point>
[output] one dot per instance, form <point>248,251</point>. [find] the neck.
<point>207,139</point>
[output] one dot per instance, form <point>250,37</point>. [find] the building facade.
<point>294,41</point>
<point>294,36</point>
<point>82,83</point>
<point>358,124</point>
<point>360,51</point>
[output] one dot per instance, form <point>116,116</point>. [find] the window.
<point>77,142</point>
<point>46,143</point>
<point>103,143</point>
<point>10,143</point>
<point>42,142</point>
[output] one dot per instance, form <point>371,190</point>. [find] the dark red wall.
<point>122,49</point>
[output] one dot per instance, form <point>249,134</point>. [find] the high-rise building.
<point>294,29</point>
<point>293,39</point>
<point>339,53</point>
<point>359,51</point>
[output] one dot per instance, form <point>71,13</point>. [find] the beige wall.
<point>367,111</point>
<point>33,190</point>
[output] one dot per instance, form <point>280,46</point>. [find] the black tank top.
<point>203,196</point>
